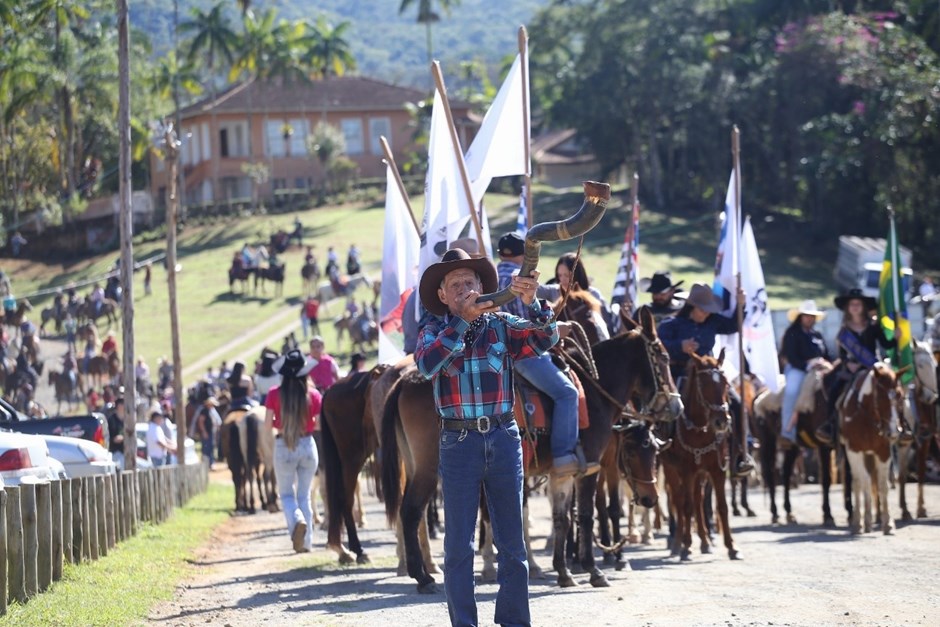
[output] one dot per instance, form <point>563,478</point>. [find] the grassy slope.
<point>108,591</point>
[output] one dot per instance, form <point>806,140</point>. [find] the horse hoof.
<point>734,554</point>
<point>345,559</point>
<point>922,512</point>
<point>888,529</point>
<point>600,581</point>
<point>775,520</point>
<point>685,555</point>
<point>906,516</point>
<point>736,512</point>
<point>791,519</point>
<point>362,558</point>
<point>751,513</point>
<point>706,549</point>
<point>829,522</point>
<point>403,571</point>
<point>428,588</point>
<point>567,582</point>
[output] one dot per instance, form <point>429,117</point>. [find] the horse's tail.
<point>391,464</point>
<point>333,467</point>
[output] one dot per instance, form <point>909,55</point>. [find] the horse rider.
<point>28,330</point>
<point>352,261</point>
<point>541,371</point>
<point>9,305</point>
<point>91,345</point>
<point>298,232</point>
<point>58,306</point>
<point>331,257</point>
<point>241,388</point>
<point>804,350</point>
<point>70,367</point>
<point>469,352</point>
<point>109,345</point>
<point>569,272</point>
<point>858,340</point>
<point>693,330</point>
<point>97,298</point>
<point>664,304</point>
<point>248,256</point>
<point>24,370</point>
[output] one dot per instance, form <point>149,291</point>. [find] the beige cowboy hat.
<point>454,259</point>
<point>704,298</point>
<point>808,308</point>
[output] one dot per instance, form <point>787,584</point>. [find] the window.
<point>206,146</point>
<point>298,141</point>
<point>352,132</point>
<point>377,128</point>
<point>274,138</point>
<point>232,140</point>
<point>223,142</point>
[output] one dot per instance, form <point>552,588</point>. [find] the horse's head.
<point>707,394</point>
<point>661,399</point>
<point>925,367</point>
<point>636,459</point>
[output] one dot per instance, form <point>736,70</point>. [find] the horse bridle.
<point>711,409</point>
<point>628,474</point>
<point>661,398</point>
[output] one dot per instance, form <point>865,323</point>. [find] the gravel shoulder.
<point>801,574</point>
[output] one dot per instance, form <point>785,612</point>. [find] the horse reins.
<point>699,452</point>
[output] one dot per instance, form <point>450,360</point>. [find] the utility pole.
<point>126,228</point>
<point>172,148</point>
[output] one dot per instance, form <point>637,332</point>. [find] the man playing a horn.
<point>468,351</point>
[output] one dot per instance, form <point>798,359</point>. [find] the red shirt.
<point>109,346</point>
<point>311,308</point>
<point>273,402</point>
<point>322,374</point>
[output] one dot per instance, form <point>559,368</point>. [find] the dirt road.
<point>791,575</point>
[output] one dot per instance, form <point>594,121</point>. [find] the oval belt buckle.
<point>481,421</point>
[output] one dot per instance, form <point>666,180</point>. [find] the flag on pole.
<point>729,247</point>
<point>625,285</point>
<point>892,310</point>
<point>521,227</point>
<point>400,250</point>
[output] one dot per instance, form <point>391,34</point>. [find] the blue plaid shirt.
<point>506,270</point>
<point>475,379</point>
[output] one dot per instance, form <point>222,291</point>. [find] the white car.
<point>81,458</point>
<point>25,459</point>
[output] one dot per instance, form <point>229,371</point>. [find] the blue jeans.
<point>545,375</point>
<point>159,461</point>
<point>469,459</point>
<point>294,471</point>
<point>794,377</point>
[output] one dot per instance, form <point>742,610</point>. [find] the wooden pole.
<point>390,160</point>
<point>78,521</point>
<point>30,538</point>
<point>3,552</point>
<point>458,151</point>
<point>91,519</point>
<point>110,510</point>
<point>16,578</point>
<point>126,230</point>
<point>57,551</point>
<point>171,147</point>
<point>736,152</point>
<point>67,524</point>
<point>527,132</point>
<point>44,535</point>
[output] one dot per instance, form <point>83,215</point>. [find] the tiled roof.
<point>547,149</point>
<point>344,93</point>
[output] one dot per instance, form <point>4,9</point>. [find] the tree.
<point>328,51</point>
<point>427,16</point>
<point>329,145</point>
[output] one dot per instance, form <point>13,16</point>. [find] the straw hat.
<point>808,308</point>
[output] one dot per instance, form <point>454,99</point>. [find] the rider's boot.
<point>826,432</point>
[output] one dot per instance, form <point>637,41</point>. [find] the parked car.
<point>92,427</point>
<point>81,458</point>
<point>25,459</point>
<point>190,454</point>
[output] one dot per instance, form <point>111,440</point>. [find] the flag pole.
<point>527,132</point>
<point>439,82</point>
<point>896,271</point>
<point>736,152</point>
<point>390,162</point>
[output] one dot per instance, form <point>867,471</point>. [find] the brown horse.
<point>101,366</point>
<point>811,407</point>
<point>108,309</point>
<point>246,446</point>
<point>16,318</point>
<point>64,388</point>
<point>634,364</point>
<point>349,439</point>
<point>310,274</point>
<point>700,453</point>
<point>924,410</point>
<point>580,306</point>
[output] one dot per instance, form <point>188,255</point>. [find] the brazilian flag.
<point>892,309</point>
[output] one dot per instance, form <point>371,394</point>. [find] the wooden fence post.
<point>135,500</point>
<point>3,552</point>
<point>91,517</point>
<point>67,524</point>
<point>111,534</point>
<point>44,536</point>
<point>101,508</point>
<point>78,521</point>
<point>16,577</point>
<point>128,496</point>
<point>119,507</point>
<point>57,529</point>
<point>30,537</point>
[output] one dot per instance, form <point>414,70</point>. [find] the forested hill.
<point>386,45</point>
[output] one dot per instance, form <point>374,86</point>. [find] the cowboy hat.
<point>807,307</point>
<point>468,244</point>
<point>294,364</point>
<point>842,301</point>
<point>511,245</point>
<point>704,298</point>
<point>453,259</point>
<point>661,282</point>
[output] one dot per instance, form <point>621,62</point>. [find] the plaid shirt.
<point>473,380</point>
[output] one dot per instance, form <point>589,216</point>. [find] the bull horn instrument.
<point>596,196</point>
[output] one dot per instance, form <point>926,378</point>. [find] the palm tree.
<point>213,36</point>
<point>328,51</point>
<point>427,16</point>
<point>168,71</point>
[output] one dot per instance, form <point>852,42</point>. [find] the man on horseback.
<point>97,298</point>
<point>469,351</point>
<point>352,260</point>
<point>693,330</point>
<point>541,371</point>
<point>663,290</point>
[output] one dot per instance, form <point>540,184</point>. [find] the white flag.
<point>729,246</point>
<point>446,210</point>
<point>399,270</point>
<point>499,149</point>
<point>760,345</point>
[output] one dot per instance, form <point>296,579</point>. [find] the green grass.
<point>121,588</point>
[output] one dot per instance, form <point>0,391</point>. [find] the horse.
<point>633,364</point>
<point>326,291</point>
<point>362,330</point>
<point>16,318</point>
<point>248,449</point>
<point>870,412</point>
<point>50,313</point>
<point>272,272</point>
<point>923,409</point>
<point>240,274</point>
<point>310,274</point>
<point>580,306</point>
<point>65,389</point>
<point>349,439</point>
<point>100,366</point>
<point>699,453</point>
<point>108,309</point>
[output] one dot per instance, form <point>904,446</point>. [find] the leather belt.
<point>483,424</point>
<point>306,435</point>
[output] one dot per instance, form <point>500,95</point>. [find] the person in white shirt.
<point>158,445</point>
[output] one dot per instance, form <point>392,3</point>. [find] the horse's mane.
<point>577,295</point>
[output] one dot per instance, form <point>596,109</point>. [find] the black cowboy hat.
<point>453,259</point>
<point>661,282</point>
<point>842,300</point>
<point>294,364</point>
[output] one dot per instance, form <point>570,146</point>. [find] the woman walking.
<point>292,408</point>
